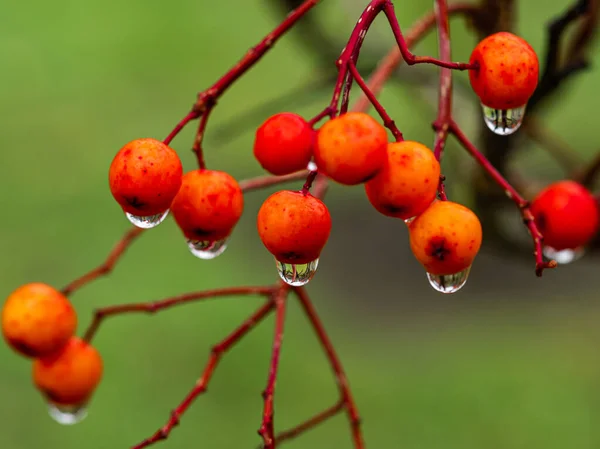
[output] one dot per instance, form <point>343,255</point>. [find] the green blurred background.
<point>510,362</point>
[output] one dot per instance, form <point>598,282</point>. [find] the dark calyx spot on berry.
<point>292,256</point>
<point>394,209</point>
<point>202,233</point>
<point>135,202</point>
<point>438,249</point>
<point>24,348</point>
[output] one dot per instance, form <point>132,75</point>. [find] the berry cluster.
<point>402,180</point>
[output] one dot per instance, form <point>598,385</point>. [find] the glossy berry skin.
<point>407,183</point>
<point>145,176</point>
<point>294,226</point>
<point>350,149</point>
<point>445,238</point>
<point>70,376</point>
<point>566,214</point>
<point>508,71</point>
<point>37,320</point>
<point>283,144</point>
<point>208,205</point>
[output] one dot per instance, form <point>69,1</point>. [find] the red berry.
<point>70,376</point>
<point>283,143</point>
<point>566,214</point>
<point>145,176</point>
<point>294,226</point>
<point>208,205</point>
<point>407,183</point>
<point>38,320</point>
<point>508,71</point>
<point>351,148</point>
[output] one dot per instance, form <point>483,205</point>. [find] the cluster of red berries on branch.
<point>402,179</point>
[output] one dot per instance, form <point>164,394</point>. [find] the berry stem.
<point>108,265</point>
<point>261,182</point>
<point>155,306</point>
<point>309,181</point>
<point>521,203</point>
<point>266,430</point>
<point>387,120</point>
<point>588,176</point>
<point>197,148</point>
<point>338,370</point>
<point>201,384</point>
<point>192,115</point>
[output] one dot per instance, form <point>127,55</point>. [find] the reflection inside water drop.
<point>503,121</point>
<point>148,222</point>
<point>297,275</point>
<point>311,166</point>
<point>207,250</point>
<point>449,283</point>
<point>564,256</point>
<point>67,415</point>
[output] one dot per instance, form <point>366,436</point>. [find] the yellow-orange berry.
<point>144,177</point>
<point>407,183</point>
<point>208,205</point>
<point>70,376</point>
<point>37,320</point>
<point>508,71</point>
<point>445,238</point>
<point>351,148</point>
<point>294,226</point>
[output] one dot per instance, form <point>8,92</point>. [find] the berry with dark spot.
<point>38,320</point>
<point>445,238</point>
<point>294,226</point>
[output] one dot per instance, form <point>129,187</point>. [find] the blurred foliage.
<point>509,363</point>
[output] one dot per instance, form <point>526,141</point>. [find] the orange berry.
<point>294,226</point>
<point>283,143</point>
<point>145,176</point>
<point>37,320</point>
<point>70,376</point>
<point>508,71</point>
<point>566,214</point>
<point>445,238</point>
<point>351,148</point>
<point>407,183</point>
<point>208,205</point>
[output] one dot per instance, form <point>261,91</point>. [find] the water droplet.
<point>311,166</point>
<point>67,415</point>
<point>503,121</point>
<point>564,256</point>
<point>148,222</point>
<point>297,275</point>
<point>207,250</point>
<point>449,283</point>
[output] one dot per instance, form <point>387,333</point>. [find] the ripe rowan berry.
<point>69,377</point>
<point>566,214</point>
<point>407,183</point>
<point>508,71</point>
<point>208,205</point>
<point>294,226</point>
<point>283,143</point>
<point>445,238</point>
<point>351,148</point>
<point>37,320</point>
<point>145,176</point>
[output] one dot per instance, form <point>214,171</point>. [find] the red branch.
<point>310,423</point>
<point>107,266</point>
<point>510,191</point>
<point>188,118</point>
<point>266,430</point>
<point>336,366</point>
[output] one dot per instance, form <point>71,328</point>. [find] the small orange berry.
<point>294,226</point>
<point>208,205</point>
<point>351,148</point>
<point>37,320</point>
<point>566,214</point>
<point>508,71</point>
<point>145,176</point>
<point>70,376</point>
<point>283,143</point>
<point>445,238</point>
<point>407,183</point>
